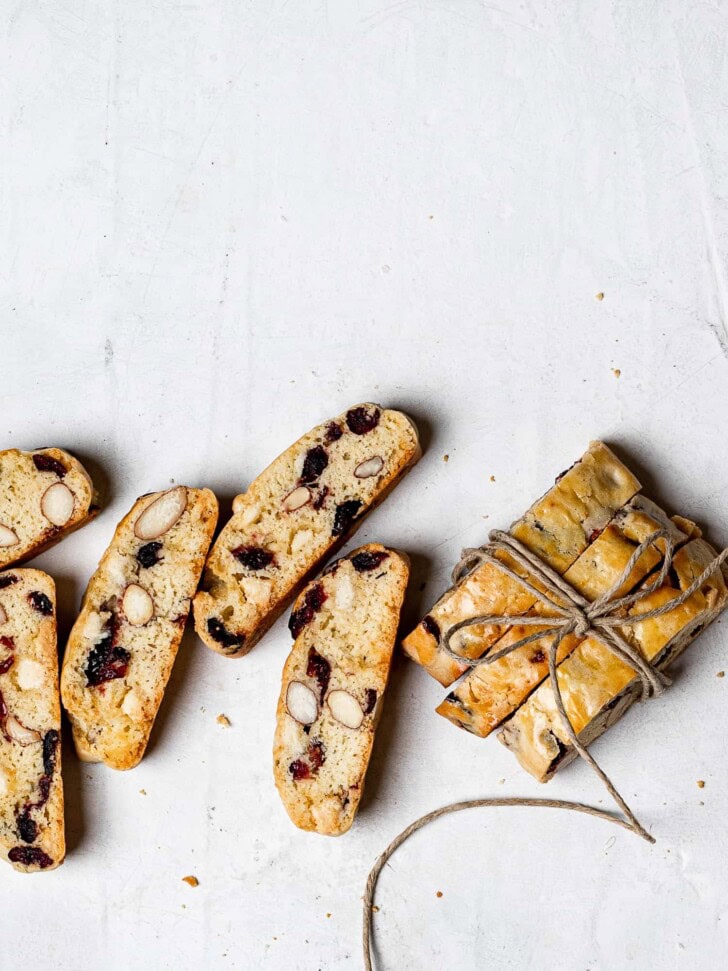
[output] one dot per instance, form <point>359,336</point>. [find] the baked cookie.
<point>300,509</point>
<point>123,645</point>
<point>345,625</point>
<point>31,790</point>
<point>492,692</point>
<point>558,527</point>
<point>596,686</point>
<point>44,495</point>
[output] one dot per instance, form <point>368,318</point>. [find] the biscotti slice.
<point>300,509</point>
<point>44,495</point>
<point>596,686</point>
<point>559,527</point>
<point>31,791</point>
<point>345,625</point>
<point>492,692</point>
<point>123,645</point>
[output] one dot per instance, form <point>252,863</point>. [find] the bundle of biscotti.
<point>586,528</point>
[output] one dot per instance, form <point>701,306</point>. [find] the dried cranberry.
<point>7,580</point>
<point>219,632</point>
<point>107,661</point>
<point>361,420</point>
<point>45,463</point>
<point>313,465</point>
<point>431,626</point>
<point>368,560</point>
<point>253,557</point>
<point>29,856</point>
<point>370,700</point>
<point>27,827</point>
<point>319,668</point>
<point>334,432</point>
<point>538,657</point>
<point>148,555</point>
<point>299,770</point>
<point>595,533</point>
<point>316,755</point>
<point>320,498</point>
<point>346,513</point>
<point>313,601</point>
<point>38,601</point>
<point>6,664</point>
<point>50,751</point>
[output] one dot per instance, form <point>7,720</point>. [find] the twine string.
<point>570,613</point>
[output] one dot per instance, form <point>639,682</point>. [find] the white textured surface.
<point>224,221</point>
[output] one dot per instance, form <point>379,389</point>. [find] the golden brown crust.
<point>240,599</point>
<point>596,686</point>
<point>491,693</point>
<point>119,658</point>
<point>558,527</point>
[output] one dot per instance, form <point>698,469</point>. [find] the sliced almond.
<point>132,706</point>
<point>19,733</point>
<point>29,674</point>
<point>138,606</point>
<point>296,499</point>
<point>3,615</point>
<point>344,592</point>
<point>369,467</point>
<point>162,514</point>
<point>345,708</point>
<point>302,538</point>
<point>7,536</point>
<point>301,703</point>
<point>57,504</point>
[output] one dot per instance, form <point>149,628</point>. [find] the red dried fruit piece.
<point>346,513</point>
<point>27,827</point>
<point>334,431</point>
<point>368,560</point>
<point>38,601</point>
<point>253,557</point>
<point>361,420</point>
<point>538,657</point>
<point>316,755</point>
<point>7,662</point>
<point>314,464</point>
<point>46,463</point>
<point>29,856</point>
<point>370,700</point>
<point>219,632</point>
<point>595,533</point>
<point>431,626</point>
<point>319,668</point>
<point>107,661</point>
<point>299,770</point>
<point>7,580</point>
<point>50,751</point>
<point>148,555</point>
<point>313,601</point>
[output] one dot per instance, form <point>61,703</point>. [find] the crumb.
<point>701,784</point>
<point>328,915</point>
<point>492,478</point>
<point>720,674</point>
<point>501,781</point>
<point>439,893</point>
<point>224,720</point>
<point>616,372</point>
<point>375,909</point>
<point>446,458</point>
<point>600,295</point>
<point>142,792</point>
<point>430,217</point>
<point>191,881</point>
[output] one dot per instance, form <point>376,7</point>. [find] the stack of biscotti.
<point>586,528</point>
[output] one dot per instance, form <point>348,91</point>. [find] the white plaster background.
<point>225,221</point>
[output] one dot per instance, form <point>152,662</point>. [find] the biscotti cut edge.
<point>238,601</point>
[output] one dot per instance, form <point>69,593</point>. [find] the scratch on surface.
<point>720,329</point>
<point>108,352</point>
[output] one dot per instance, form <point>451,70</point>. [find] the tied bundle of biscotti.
<point>588,529</point>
